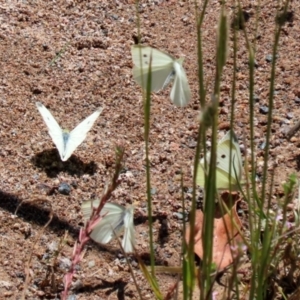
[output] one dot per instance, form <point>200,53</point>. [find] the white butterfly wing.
<point>102,234</point>
<point>54,129</point>
<point>128,241</point>
<point>201,174</point>
<point>110,224</point>
<point>161,66</point>
<point>87,208</point>
<point>223,181</point>
<point>180,93</point>
<point>222,177</point>
<point>78,134</point>
<point>224,168</point>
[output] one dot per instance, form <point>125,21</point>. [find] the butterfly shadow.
<point>109,287</point>
<point>39,212</point>
<point>50,162</point>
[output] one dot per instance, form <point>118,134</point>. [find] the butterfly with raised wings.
<point>66,142</point>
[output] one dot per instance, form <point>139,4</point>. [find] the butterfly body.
<point>163,68</point>
<point>66,137</point>
<point>66,142</point>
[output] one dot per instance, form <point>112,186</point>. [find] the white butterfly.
<point>114,218</point>
<point>223,181</point>
<point>67,142</point>
<point>163,68</point>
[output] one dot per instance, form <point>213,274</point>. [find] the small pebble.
<point>36,176</point>
<point>290,116</point>
<point>91,264</point>
<point>64,188</point>
<point>16,226</point>
<point>46,256</point>
<point>189,190</point>
<point>208,144</point>
<point>153,191</point>
<point>258,178</point>
<point>262,146</point>
<point>192,144</point>
<point>269,58</point>
<point>180,216</point>
<point>297,100</point>
<point>134,264</point>
<point>264,109</point>
<point>65,263</point>
<point>256,98</point>
<point>77,268</point>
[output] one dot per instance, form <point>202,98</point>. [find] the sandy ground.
<point>74,56</point>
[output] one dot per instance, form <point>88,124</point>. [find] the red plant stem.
<point>84,233</point>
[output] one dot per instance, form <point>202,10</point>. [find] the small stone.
<point>289,115</point>
<point>256,98</point>
<point>189,190</point>
<point>286,121</point>
<point>64,188</point>
<point>192,144</point>
<point>264,109</point>
<point>262,146</point>
<point>91,264</point>
<point>269,58</point>
<point>46,256</point>
<point>40,293</point>
<point>153,191</point>
<point>6,284</point>
<point>16,226</point>
<point>180,215</point>
<point>171,188</point>
<point>184,19</point>
<point>65,263</point>
<point>297,100</point>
